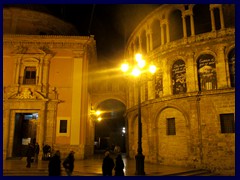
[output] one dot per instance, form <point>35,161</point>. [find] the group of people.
<point>108,164</point>
<point>54,166</point>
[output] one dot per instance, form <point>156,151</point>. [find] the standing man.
<point>68,163</point>
<point>107,165</point>
<point>30,154</point>
<point>36,152</point>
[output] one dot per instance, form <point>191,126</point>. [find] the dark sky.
<point>111,24</point>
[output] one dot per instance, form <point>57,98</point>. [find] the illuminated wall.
<point>190,101</point>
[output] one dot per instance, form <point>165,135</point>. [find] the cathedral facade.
<point>188,105</point>
<point>45,82</point>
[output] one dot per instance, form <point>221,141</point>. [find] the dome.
<point>28,21</point>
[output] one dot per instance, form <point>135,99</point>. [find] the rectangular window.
<point>227,123</point>
<point>30,75</point>
<point>63,126</point>
<point>171,130</point>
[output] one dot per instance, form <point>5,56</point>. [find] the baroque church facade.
<point>45,82</point>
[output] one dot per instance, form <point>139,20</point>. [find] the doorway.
<point>25,131</point>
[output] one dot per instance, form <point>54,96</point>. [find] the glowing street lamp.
<point>137,71</point>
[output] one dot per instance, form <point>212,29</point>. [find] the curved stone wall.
<point>193,47</point>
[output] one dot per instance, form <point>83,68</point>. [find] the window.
<point>30,75</point>
<point>227,123</point>
<point>179,77</point>
<point>207,77</point>
<point>171,130</point>
<point>63,126</point>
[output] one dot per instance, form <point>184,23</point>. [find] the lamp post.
<point>136,71</point>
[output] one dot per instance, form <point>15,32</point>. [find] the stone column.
<point>167,32</point>
<point>42,126</point>
<point>162,34</point>
<point>17,69</point>
<point>221,18</point>
<point>45,73</point>
<point>221,68</point>
<point>40,72</point>
<point>190,73</point>
<point>192,25</point>
<point>148,44</point>
<point>6,119</point>
<point>184,26</point>
<point>151,41</point>
<point>166,79</point>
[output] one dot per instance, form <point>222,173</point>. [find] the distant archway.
<point>110,130</point>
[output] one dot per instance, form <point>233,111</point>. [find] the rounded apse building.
<point>188,105</point>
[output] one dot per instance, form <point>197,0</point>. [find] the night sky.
<point>111,24</point>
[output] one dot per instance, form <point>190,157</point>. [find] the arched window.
<point>179,77</point>
<point>202,18</point>
<point>175,25</point>
<point>207,78</point>
<point>144,42</point>
<point>156,34</point>
<point>231,66</point>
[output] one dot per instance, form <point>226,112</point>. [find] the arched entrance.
<point>110,130</point>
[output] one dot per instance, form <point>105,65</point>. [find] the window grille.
<point>171,130</point>
<point>227,123</point>
<point>30,75</point>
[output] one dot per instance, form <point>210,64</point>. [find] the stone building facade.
<point>45,83</point>
<point>188,105</point>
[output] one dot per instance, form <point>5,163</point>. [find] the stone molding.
<point>10,41</point>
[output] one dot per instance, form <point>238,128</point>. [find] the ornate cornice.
<point>78,42</point>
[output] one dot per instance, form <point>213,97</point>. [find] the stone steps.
<point>195,172</point>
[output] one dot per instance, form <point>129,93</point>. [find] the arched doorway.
<point>110,130</point>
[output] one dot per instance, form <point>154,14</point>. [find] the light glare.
<point>141,63</point>
<point>138,57</point>
<point>98,113</point>
<point>136,72</point>
<point>124,67</point>
<point>152,69</point>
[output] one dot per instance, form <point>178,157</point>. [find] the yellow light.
<point>152,69</point>
<point>136,72</point>
<point>138,57</point>
<point>98,113</point>
<point>141,63</point>
<point>124,67</point>
<point>99,119</point>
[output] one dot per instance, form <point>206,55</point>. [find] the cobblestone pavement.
<point>87,167</point>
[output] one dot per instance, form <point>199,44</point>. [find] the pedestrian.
<point>107,165</point>
<point>36,152</point>
<point>68,163</point>
<point>119,165</point>
<point>54,165</point>
<point>30,154</point>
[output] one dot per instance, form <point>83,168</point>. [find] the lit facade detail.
<point>193,85</point>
